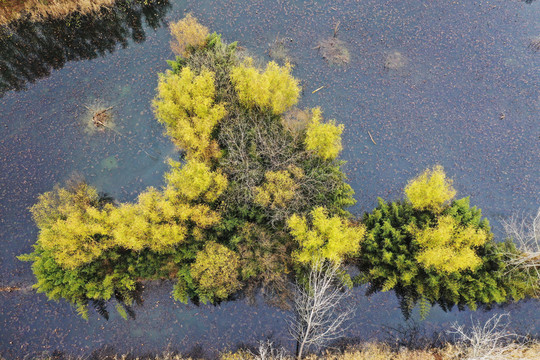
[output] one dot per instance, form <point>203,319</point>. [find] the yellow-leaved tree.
<point>159,221</point>
<point>215,271</point>
<point>449,246</point>
<point>194,181</point>
<point>72,224</point>
<point>324,237</point>
<point>279,188</point>
<point>274,88</point>
<point>323,138</point>
<point>187,32</point>
<point>185,105</point>
<point>431,190</point>
<point>151,223</point>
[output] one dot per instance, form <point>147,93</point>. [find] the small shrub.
<point>273,89</point>
<point>323,138</point>
<point>431,190</point>
<point>187,33</point>
<point>216,270</point>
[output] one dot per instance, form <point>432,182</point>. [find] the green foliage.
<point>265,262</point>
<point>273,89</point>
<point>324,238</point>
<point>216,271</point>
<point>323,138</point>
<point>401,250</point>
<point>430,190</point>
<point>255,197</point>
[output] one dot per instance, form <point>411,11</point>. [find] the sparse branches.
<point>525,233</point>
<point>319,314</point>
<point>488,341</point>
<point>267,351</point>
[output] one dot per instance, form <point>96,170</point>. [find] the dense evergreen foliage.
<point>442,254</point>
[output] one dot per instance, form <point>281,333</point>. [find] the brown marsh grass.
<point>11,10</point>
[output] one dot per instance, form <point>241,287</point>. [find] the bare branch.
<point>488,341</point>
<point>525,233</point>
<point>318,312</point>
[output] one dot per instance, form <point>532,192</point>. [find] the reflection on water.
<point>29,50</point>
<point>466,96</point>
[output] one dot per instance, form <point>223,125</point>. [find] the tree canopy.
<point>434,252</point>
<point>220,224</point>
<point>255,197</point>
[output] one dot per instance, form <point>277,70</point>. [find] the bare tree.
<point>319,309</point>
<point>267,351</point>
<point>525,233</point>
<point>488,341</point>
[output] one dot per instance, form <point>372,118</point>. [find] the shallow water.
<point>467,98</point>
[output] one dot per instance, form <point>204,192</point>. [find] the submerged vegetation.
<point>334,50</point>
<point>257,197</point>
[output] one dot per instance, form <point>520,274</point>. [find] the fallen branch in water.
<point>371,137</point>
<point>9,288</point>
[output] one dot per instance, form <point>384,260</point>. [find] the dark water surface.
<point>468,98</point>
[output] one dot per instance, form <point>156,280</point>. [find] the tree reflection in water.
<point>29,50</point>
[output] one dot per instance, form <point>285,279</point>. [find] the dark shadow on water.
<point>30,50</point>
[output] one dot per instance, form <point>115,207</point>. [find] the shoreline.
<point>13,10</point>
<point>266,350</point>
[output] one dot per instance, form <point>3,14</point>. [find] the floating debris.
<point>99,116</point>
<point>534,44</point>
<point>9,288</point>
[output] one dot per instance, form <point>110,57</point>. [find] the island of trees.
<point>258,201</point>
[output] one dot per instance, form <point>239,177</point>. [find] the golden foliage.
<point>77,230</point>
<point>187,32</point>
<point>185,105</point>
<point>332,238</point>
<point>37,9</point>
<point>72,226</point>
<point>194,181</point>
<point>431,190</point>
<point>275,88</point>
<point>323,138</point>
<point>159,220</point>
<point>149,223</point>
<point>448,246</point>
<point>216,271</point>
<point>279,188</point>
